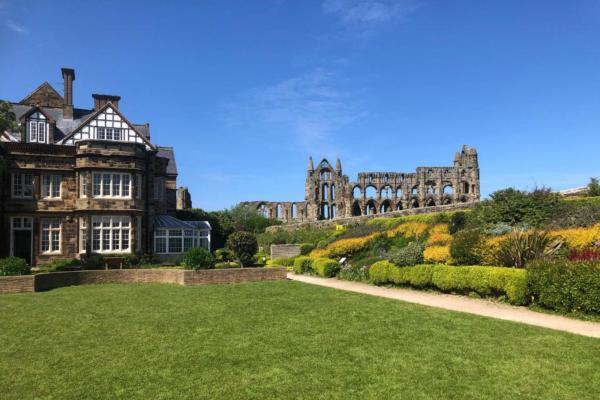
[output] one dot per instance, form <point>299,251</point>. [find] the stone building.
<point>329,194</point>
<point>82,181</point>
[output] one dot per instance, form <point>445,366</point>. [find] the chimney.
<point>101,99</point>
<point>68,78</point>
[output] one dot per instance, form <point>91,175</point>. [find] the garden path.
<point>464,304</point>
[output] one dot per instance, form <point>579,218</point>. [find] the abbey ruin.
<point>329,194</point>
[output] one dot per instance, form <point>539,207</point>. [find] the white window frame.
<point>104,231</point>
<point>50,183</point>
<point>109,133</point>
<point>37,130</point>
<point>189,238</point>
<point>83,185</point>
<point>24,188</point>
<point>50,233</point>
<point>105,181</point>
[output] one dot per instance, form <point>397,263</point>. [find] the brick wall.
<point>16,284</point>
<point>42,282</point>
<point>284,250</point>
<point>233,275</point>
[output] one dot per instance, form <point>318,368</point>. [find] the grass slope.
<point>275,340</point>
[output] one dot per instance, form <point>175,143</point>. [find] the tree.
<point>593,187</point>
<point>8,123</point>
<point>244,246</point>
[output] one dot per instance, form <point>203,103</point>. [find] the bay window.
<point>111,234</point>
<point>107,184</point>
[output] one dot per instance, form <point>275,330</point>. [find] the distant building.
<point>330,195</point>
<point>83,181</point>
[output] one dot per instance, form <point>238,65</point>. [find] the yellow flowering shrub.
<point>439,235</point>
<point>343,247</point>
<point>578,238</point>
<point>409,229</point>
<point>437,254</point>
<point>487,252</point>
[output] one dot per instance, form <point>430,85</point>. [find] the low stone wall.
<point>16,284</point>
<point>233,275</point>
<point>364,218</point>
<point>48,281</point>
<point>284,250</point>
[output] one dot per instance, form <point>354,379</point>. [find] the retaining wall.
<point>48,281</point>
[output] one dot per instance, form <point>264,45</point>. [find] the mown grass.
<point>275,340</point>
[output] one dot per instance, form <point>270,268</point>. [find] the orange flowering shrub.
<point>439,235</point>
<point>409,229</point>
<point>489,249</point>
<point>437,254</point>
<point>343,247</point>
<point>578,238</point>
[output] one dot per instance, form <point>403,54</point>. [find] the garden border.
<point>53,280</point>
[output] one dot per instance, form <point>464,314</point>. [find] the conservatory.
<point>174,237</point>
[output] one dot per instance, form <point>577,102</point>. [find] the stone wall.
<point>16,284</point>
<point>284,251</point>
<point>42,282</point>
<point>362,219</point>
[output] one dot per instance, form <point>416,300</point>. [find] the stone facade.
<point>81,181</point>
<point>330,195</point>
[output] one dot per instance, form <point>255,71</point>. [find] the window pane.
<point>175,245</point>
<point>160,245</point>
<point>116,185</point>
<point>96,184</point>
<point>106,185</point>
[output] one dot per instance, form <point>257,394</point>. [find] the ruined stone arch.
<point>447,200</point>
<point>278,211</point>
<point>325,211</point>
<point>263,210</point>
<point>414,191</point>
<point>399,206</point>
<point>333,211</point>
<point>430,202</point>
<point>356,192</point>
<point>356,211</point>
<point>324,191</point>
<point>386,206</point>
<point>399,192</point>
<point>386,192</point>
<point>448,189</point>
<point>370,208</point>
<point>294,211</point>
<point>332,191</point>
<point>370,191</point>
<point>414,203</point>
<point>431,188</point>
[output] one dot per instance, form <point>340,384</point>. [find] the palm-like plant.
<point>522,246</point>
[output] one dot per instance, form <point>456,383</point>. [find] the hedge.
<point>325,267</point>
<point>485,281</point>
<point>565,286</point>
<point>302,264</point>
<point>14,266</point>
<point>282,262</point>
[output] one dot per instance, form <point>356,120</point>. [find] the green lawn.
<point>275,340</point>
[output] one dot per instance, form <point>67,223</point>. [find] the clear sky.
<point>247,90</point>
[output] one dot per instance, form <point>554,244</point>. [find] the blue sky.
<point>247,90</point>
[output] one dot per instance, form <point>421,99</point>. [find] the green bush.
<point>325,267</point>
<point>302,264</point>
<point>94,261</point>
<point>465,248</point>
<point>565,286</point>
<point>60,265</point>
<point>573,213</point>
<point>306,248</point>
<point>381,272</point>
<point>411,254</point>
<point>485,281</point>
<point>224,255</point>
<point>244,246</point>
<point>354,272</point>
<point>458,221</point>
<point>198,258</point>
<point>593,187</point>
<point>283,262</point>
<point>14,266</point>
<point>227,264</point>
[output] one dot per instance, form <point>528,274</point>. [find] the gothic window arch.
<point>370,191</point>
<point>386,192</point>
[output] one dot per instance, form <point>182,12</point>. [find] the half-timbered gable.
<point>107,124</point>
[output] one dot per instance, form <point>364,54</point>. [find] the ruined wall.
<point>330,195</point>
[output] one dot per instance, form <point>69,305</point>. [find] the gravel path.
<point>462,304</point>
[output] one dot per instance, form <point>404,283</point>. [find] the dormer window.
<point>37,128</point>
<point>105,133</point>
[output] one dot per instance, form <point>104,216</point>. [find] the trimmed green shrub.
<point>302,264</point>
<point>465,247</point>
<point>411,254</point>
<point>565,286</point>
<point>227,264</point>
<point>60,265</point>
<point>224,255</point>
<point>325,267</point>
<point>485,281</point>
<point>94,261</point>
<point>283,262</point>
<point>198,258</point>
<point>14,266</point>
<point>306,248</point>
<point>243,245</point>
<point>381,272</point>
